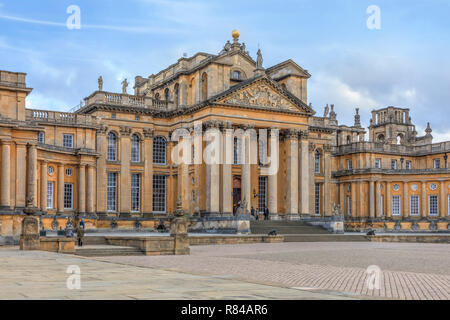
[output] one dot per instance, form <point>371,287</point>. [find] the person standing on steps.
<point>266,213</point>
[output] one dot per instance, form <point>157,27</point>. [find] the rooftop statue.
<point>259,60</point>
<point>124,86</point>
<point>100,83</point>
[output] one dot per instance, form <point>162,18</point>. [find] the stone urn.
<point>29,237</point>
<point>178,231</point>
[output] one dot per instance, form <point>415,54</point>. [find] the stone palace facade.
<point>110,160</point>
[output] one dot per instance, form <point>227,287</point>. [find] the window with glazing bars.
<point>237,150</point>
<point>159,150</point>
<point>317,199</point>
<point>112,146</point>
<point>50,195</point>
<point>395,205</point>
<point>433,205</point>
<point>159,193</point>
<point>68,140</point>
<point>135,192</point>
<point>414,206</point>
<point>68,196</point>
<point>112,192</point>
<point>135,148</point>
<point>262,200</point>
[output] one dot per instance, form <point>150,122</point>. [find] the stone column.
<point>405,200</point>
<point>424,199</point>
<point>292,175</point>
<point>32,174</point>
<point>60,183</point>
<point>342,197</point>
<point>273,179</point>
<point>378,198</point>
<point>372,199</point>
<point>327,177</point>
<point>147,198</point>
<point>246,172</point>
<point>44,165</point>
<point>125,159</point>
<point>361,208</point>
<point>82,189</point>
<point>353,193</point>
<point>213,171</point>
<point>227,201</point>
<point>5,198</point>
<point>102,145</point>
<point>388,200</point>
<point>90,189</point>
<point>21,173</point>
<point>444,200</point>
<point>305,174</point>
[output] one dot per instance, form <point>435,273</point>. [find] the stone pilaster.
<point>353,200</point>
<point>405,200</point>
<point>125,158</point>
<point>361,209</point>
<point>102,145</point>
<point>82,189</point>
<point>44,165</point>
<point>424,199</point>
<point>378,199</point>
<point>60,183</point>
<point>228,148</point>
<point>273,178</point>
<point>327,177</point>
<point>32,175</point>
<point>305,174</point>
<point>388,199</point>
<point>213,170</point>
<point>292,176</point>
<point>5,199</point>
<point>21,173</point>
<point>342,196</point>
<point>147,198</point>
<point>443,202</point>
<point>372,199</point>
<point>246,171</point>
<point>90,189</point>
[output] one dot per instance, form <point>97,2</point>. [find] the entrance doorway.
<point>236,192</point>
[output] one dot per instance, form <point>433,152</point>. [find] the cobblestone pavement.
<point>43,275</point>
<point>408,270</point>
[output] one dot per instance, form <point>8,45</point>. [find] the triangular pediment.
<point>262,93</point>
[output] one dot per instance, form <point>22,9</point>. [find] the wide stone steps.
<point>285,227</point>
<point>106,250</point>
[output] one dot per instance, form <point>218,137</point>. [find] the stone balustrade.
<point>366,146</point>
<point>60,117</point>
<point>120,99</point>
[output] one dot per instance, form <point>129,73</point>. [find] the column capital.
<point>149,133</point>
<point>81,165</point>
<point>6,141</point>
<point>292,133</point>
<point>311,147</point>
<point>44,161</point>
<point>125,131</point>
<point>304,134</point>
<point>60,165</point>
<point>102,129</point>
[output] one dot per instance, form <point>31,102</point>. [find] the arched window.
<point>317,162</point>
<point>204,86</point>
<point>135,148</point>
<point>192,94</point>
<point>157,96</point>
<point>112,146</point>
<point>177,95</point>
<point>167,94</point>
<point>348,140</point>
<point>236,74</point>
<point>381,138</point>
<point>399,139</point>
<point>159,150</point>
<point>41,137</point>
<point>237,151</point>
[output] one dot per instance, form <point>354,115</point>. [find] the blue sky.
<point>406,63</point>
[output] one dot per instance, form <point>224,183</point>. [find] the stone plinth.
<point>29,239</point>
<point>178,231</point>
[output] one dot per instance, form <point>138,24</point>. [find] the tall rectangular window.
<point>237,150</point>
<point>41,137</point>
<point>408,165</point>
<point>68,196</point>
<point>50,195</point>
<point>349,165</point>
<point>111,200</point>
<point>448,205</point>
<point>414,206</point>
<point>68,140</point>
<point>437,163</point>
<point>393,164</point>
<point>433,205</point>
<point>395,205</point>
<point>381,205</point>
<point>349,206</point>
<point>317,199</point>
<point>378,163</point>
<point>135,192</point>
<point>262,200</point>
<point>159,193</point>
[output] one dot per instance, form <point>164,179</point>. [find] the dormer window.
<point>236,75</point>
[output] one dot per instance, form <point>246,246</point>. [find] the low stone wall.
<point>150,246</point>
<point>209,240</point>
<point>57,244</point>
<point>409,225</point>
<point>411,238</point>
<point>229,224</point>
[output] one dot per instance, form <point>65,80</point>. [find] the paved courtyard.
<point>255,271</point>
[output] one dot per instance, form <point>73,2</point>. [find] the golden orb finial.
<point>235,34</point>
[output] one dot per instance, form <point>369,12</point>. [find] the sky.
<point>404,63</point>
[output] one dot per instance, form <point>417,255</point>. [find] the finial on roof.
<point>357,119</point>
<point>235,34</point>
<point>428,129</point>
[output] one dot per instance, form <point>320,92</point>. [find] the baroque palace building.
<point>110,160</point>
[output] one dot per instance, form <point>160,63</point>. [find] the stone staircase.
<point>106,250</point>
<point>285,227</point>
